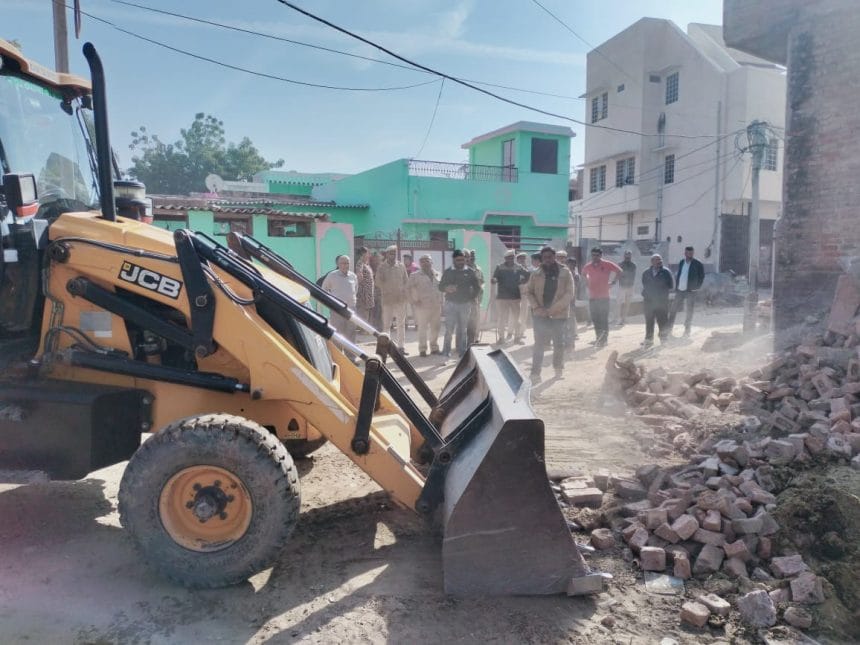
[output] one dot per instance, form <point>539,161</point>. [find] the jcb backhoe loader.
<point>110,328</point>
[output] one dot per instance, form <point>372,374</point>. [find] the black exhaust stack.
<point>103,149</point>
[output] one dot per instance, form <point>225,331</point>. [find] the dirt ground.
<point>358,569</point>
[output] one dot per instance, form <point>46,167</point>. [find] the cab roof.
<point>56,79</point>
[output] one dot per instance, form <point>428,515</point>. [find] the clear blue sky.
<point>510,42</point>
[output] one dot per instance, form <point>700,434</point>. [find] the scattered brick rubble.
<point>715,513</point>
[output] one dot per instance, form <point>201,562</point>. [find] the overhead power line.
<point>432,119</point>
<point>331,50</point>
<point>594,48</point>
<point>245,70</point>
<point>465,83</point>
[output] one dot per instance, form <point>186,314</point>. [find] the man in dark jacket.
<point>688,281</point>
<point>460,286</point>
<point>656,285</point>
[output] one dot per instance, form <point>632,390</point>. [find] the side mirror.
<point>21,196</point>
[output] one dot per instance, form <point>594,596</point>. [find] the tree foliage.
<point>181,167</point>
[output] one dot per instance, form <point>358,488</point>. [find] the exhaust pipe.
<point>103,149</point>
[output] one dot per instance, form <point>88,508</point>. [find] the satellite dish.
<point>214,183</point>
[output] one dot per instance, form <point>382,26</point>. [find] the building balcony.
<point>462,171</point>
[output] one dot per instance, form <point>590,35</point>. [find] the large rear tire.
<point>210,500</point>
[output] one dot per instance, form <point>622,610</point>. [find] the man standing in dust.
<point>391,279</point>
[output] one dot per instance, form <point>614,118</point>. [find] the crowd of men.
<point>543,293</point>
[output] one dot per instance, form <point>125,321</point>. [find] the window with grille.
<point>288,228</point>
<point>597,179</point>
<point>771,155</point>
<point>669,169</point>
<point>625,172</point>
<point>643,230</point>
<point>600,107</point>
<point>671,88</point>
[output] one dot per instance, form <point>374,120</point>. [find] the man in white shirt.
<point>342,284</point>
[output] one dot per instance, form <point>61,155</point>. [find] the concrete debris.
<point>797,617</point>
<point>756,609</point>
<point>715,604</point>
<point>807,589</point>
<point>602,539</point>
<point>695,614</point>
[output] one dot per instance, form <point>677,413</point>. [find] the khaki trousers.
<point>389,313</point>
<point>428,320</point>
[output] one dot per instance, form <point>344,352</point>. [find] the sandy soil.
<point>358,569</point>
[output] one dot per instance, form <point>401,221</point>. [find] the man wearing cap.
<point>600,275</point>
<point>656,284</point>
<point>460,286</point>
<point>426,300</point>
<point>391,279</point>
<point>364,293</point>
<point>342,283</point>
<point>626,283</point>
<point>508,277</point>
<point>475,313</point>
<point>550,291</point>
<point>691,274</point>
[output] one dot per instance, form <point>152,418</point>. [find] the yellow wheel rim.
<point>205,508</point>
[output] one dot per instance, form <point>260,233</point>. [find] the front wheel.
<point>210,500</point>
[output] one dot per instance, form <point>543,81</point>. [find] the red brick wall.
<point>821,190</point>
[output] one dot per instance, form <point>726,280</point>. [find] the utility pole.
<point>715,238</point>
<point>757,137</point>
<point>61,45</point>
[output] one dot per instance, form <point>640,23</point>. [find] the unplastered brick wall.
<point>821,220</point>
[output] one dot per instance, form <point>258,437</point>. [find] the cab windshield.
<point>46,134</point>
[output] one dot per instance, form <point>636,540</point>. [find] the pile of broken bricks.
<point>696,520</point>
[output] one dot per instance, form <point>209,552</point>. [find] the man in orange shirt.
<point>600,275</point>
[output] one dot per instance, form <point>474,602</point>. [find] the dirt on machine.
<point>111,327</point>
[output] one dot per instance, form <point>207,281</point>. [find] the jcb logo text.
<point>150,280</point>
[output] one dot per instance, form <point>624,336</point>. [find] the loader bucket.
<point>503,531</point>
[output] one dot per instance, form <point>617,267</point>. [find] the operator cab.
<point>48,168</point>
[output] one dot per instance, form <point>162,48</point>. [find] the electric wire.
<point>332,50</point>
<point>432,120</point>
<point>593,47</point>
<point>245,70</point>
<point>467,84</point>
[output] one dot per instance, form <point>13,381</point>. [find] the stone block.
<point>780,596</point>
<point>709,537</point>
<point>715,604</point>
<point>713,521</point>
<point>685,526</point>
<point>780,452</point>
<point>797,617</point>
<point>654,517</point>
<point>806,589</point>
<point>710,559</point>
<point>629,489</point>
<point>756,609</point>
<point>589,497</point>
<point>765,548</point>
<point>652,558</point>
<point>735,567</point>
<point>846,300</point>
<point>695,614</point>
<point>602,539</point>
<point>788,566</point>
<point>747,525</point>
<point>584,585</point>
<point>838,446</point>
<point>665,532</point>
<point>737,549</point>
<point>682,566</point>
<point>601,479</point>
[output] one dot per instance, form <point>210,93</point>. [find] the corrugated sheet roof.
<point>255,207</point>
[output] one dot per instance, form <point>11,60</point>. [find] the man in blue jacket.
<point>688,281</point>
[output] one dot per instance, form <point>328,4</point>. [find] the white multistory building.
<point>667,165</point>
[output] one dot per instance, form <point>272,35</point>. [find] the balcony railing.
<point>462,171</point>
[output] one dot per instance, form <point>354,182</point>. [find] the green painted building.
<point>514,184</point>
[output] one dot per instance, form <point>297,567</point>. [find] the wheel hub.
<point>205,508</point>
